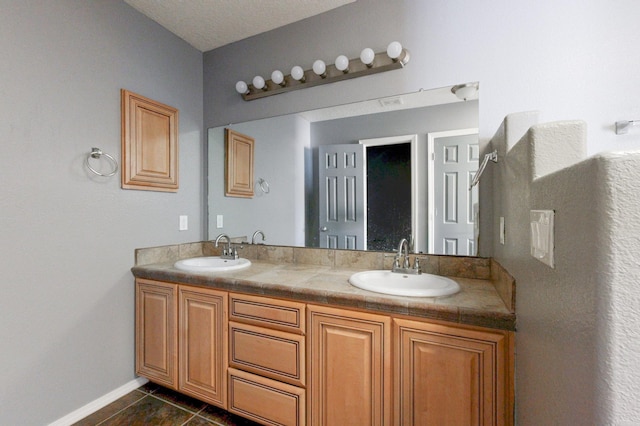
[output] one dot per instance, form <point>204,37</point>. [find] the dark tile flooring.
<point>154,405</point>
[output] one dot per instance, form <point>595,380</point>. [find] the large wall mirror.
<point>358,176</point>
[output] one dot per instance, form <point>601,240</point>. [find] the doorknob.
<point>324,229</point>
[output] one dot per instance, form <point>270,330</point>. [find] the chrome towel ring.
<point>264,185</point>
<point>97,153</point>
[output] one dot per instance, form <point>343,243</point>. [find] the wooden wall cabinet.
<point>149,144</point>
<point>238,164</point>
<point>350,367</point>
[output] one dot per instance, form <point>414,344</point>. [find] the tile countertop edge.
<point>414,307</point>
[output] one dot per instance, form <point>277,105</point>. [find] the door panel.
<point>455,162</point>
<point>342,212</point>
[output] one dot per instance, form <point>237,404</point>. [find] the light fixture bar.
<point>356,68</point>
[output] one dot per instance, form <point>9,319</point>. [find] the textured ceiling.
<point>207,24</point>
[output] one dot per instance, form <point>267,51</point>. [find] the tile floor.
<point>154,405</point>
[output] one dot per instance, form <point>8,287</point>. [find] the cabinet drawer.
<point>277,314</point>
<point>264,400</point>
<point>270,353</point>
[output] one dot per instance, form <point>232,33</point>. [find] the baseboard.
<point>99,403</point>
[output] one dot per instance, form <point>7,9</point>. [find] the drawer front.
<point>270,353</point>
<point>266,312</point>
<point>264,400</point>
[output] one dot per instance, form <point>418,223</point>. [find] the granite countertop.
<point>478,303</point>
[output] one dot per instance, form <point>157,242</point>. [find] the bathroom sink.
<point>212,264</point>
<point>387,282</point>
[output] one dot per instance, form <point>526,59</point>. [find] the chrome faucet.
<point>229,252</point>
<point>255,234</point>
<point>404,244</point>
<point>403,251</point>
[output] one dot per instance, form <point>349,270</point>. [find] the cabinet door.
<point>203,344</point>
<point>350,370</point>
<point>156,326</point>
<point>450,376</point>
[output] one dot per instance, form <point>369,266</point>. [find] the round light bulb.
<point>342,63</point>
<point>366,56</point>
<point>297,73</point>
<point>320,68</point>
<point>241,87</point>
<point>394,50</point>
<point>258,82</point>
<point>277,77</point>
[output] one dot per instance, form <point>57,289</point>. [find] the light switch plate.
<point>542,235</point>
<point>501,230</point>
<point>219,221</point>
<point>184,223</point>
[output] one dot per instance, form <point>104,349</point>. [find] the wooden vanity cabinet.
<point>267,360</point>
<point>448,375</point>
<point>350,367</point>
<point>156,332</point>
<point>282,362</point>
<point>181,338</point>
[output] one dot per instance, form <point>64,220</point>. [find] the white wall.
<point>67,305</point>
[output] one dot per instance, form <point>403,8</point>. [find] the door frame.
<point>431,139</point>
<point>392,140</point>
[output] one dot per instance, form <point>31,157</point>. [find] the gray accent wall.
<point>68,236</point>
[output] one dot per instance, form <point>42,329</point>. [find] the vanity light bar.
<point>368,63</point>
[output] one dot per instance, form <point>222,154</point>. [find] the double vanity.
<point>286,339</point>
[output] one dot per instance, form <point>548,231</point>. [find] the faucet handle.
<point>396,262</point>
<point>416,265</point>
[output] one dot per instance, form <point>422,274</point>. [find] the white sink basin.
<point>387,282</point>
<point>212,264</point>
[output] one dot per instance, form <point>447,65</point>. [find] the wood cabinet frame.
<point>238,164</point>
<point>149,144</point>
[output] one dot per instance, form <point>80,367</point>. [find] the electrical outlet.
<point>501,230</point>
<point>184,223</point>
<point>219,221</point>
